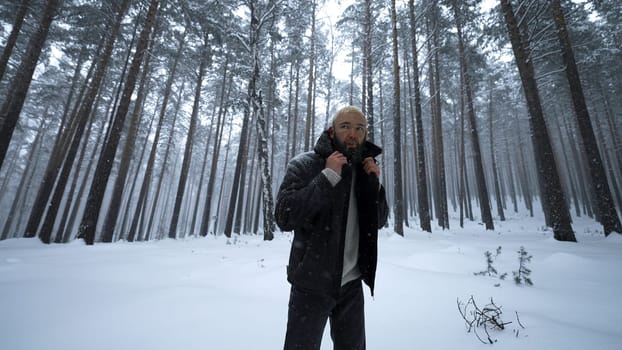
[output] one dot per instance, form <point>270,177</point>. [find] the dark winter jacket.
<point>316,211</point>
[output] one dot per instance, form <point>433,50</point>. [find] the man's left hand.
<point>370,166</point>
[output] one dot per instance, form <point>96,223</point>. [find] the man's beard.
<point>354,154</point>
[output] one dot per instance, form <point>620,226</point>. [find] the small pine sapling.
<point>522,275</point>
<point>490,270</point>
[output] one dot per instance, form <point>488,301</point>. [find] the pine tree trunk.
<point>67,235</point>
<point>155,202</point>
<point>118,188</point>
<point>272,105</point>
<point>249,207</point>
<point>495,175</point>
<point>104,165</point>
<point>136,227</point>
<point>294,125</point>
<point>244,192</point>
<point>547,169</point>
<point>409,158</point>
<point>330,80</point>
<point>71,193</point>
<point>264,166</point>
<point>172,231</point>
<point>422,177</point>
<point>461,158</point>
<point>438,168</point>
<point>604,200</point>
<point>124,225</point>
<point>20,84</point>
<point>397,144</point>
<point>222,181</point>
<point>477,155</point>
<point>290,90</point>
<point>511,177</point>
<point>310,111</point>
<point>369,110</point>
<point>524,182</point>
<point>207,209</point>
<point>237,190</point>
<point>383,163</point>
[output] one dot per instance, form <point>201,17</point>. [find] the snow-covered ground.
<point>218,293</point>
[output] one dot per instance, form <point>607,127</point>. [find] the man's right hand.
<point>336,161</point>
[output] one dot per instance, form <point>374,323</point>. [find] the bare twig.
<point>486,318</point>
<point>518,319</point>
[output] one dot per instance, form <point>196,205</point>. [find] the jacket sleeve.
<point>301,196</point>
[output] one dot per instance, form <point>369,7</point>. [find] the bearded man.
<point>333,201</point>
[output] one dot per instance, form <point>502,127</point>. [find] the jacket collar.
<point>324,147</point>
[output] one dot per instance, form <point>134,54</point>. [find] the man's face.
<point>348,135</point>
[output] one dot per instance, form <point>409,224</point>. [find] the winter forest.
<point>149,119</point>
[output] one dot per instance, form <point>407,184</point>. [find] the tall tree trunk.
<point>495,175</point>
<point>155,202</point>
<point>104,165</point>
<point>438,174</point>
<point>125,226</point>
<point>383,164</point>
<point>237,190</point>
<point>255,107</point>
<point>244,192</point>
<point>310,111</point>
<point>369,82</point>
<point>397,144</point>
<point>207,209</point>
<point>267,201</point>
<point>289,114</point>
<point>118,188</point>
<point>477,154</point>
<point>67,232</point>
<point>20,84</point>
<point>12,39</point>
<point>64,231</point>
<point>189,142</point>
<point>547,169</point>
<point>272,102</point>
<point>331,79</point>
<point>254,182</point>
<point>295,118</point>
<point>422,176</point>
<point>461,159</point>
<point>222,182</point>
<point>604,200</point>
<point>135,230</point>
<point>571,178</point>
<point>409,169</point>
<point>511,177</point>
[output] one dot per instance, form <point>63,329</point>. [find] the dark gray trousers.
<point>309,310</point>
